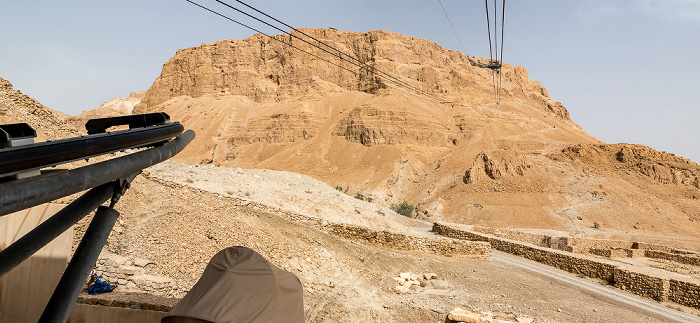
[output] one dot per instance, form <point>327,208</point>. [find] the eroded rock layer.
<point>447,149</point>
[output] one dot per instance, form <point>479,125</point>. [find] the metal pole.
<point>50,153</point>
<point>22,194</point>
<point>48,230</point>
<point>66,293</point>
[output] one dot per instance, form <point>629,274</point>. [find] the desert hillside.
<point>112,108</point>
<point>256,103</point>
<point>16,107</point>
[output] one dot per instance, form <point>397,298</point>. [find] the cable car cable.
<point>453,27</point>
<point>384,74</point>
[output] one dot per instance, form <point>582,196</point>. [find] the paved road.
<point>634,302</point>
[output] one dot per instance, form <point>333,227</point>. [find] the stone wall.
<point>687,259</point>
<point>598,247</point>
<point>684,293</point>
<point>646,285</point>
<point>656,288</point>
<point>126,274</point>
<point>399,241</point>
<point>617,253</point>
<point>555,258</point>
<point>532,238</point>
<point>647,246</point>
<point>584,245</point>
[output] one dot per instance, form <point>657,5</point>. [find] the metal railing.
<point>105,180</point>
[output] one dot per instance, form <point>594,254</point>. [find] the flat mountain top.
<point>446,148</point>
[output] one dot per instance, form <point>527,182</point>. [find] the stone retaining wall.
<point>680,258</point>
<point>555,258</point>
<point>648,246</point>
<point>584,245</point>
<point>644,285</point>
<point>599,247</point>
<point>658,288</point>
<point>616,253</point>
<point>532,238</point>
<point>684,293</point>
<point>399,241</point>
<point>128,274</point>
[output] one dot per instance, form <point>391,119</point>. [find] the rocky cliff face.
<point>257,103</point>
<point>267,70</point>
<point>662,167</point>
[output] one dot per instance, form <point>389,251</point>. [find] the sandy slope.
<point>180,224</point>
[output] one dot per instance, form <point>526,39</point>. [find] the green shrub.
<point>359,196</point>
<point>339,188</point>
<point>404,209</point>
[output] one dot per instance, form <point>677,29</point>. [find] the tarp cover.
<point>239,285</point>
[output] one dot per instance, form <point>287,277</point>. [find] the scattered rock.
<point>462,315</point>
<point>141,262</point>
<point>115,260</point>
<point>402,289</point>
<point>130,270</point>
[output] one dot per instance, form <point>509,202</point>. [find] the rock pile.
<point>409,281</point>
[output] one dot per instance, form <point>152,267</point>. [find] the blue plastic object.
<point>99,286</point>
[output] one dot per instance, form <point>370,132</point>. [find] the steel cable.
<point>382,74</point>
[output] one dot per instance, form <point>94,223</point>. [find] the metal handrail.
<point>25,193</point>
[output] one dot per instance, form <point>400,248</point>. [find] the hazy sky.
<point>627,70</point>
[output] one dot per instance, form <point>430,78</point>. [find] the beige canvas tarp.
<point>239,285</point>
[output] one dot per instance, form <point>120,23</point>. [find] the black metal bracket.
<point>101,125</point>
<point>119,190</point>
<point>11,134</point>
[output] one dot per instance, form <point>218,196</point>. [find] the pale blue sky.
<point>627,70</point>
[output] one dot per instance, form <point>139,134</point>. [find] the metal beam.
<point>54,226</point>
<point>21,194</point>
<point>32,156</point>
<point>66,293</point>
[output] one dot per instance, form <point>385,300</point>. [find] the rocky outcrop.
<point>267,69</point>
<point>374,125</point>
<point>5,84</point>
<point>496,165</point>
<point>16,107</point>
<point>662,167</point>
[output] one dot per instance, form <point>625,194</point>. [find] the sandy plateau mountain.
<point>257,103</point>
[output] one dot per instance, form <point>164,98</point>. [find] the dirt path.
<point>620,298</point>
